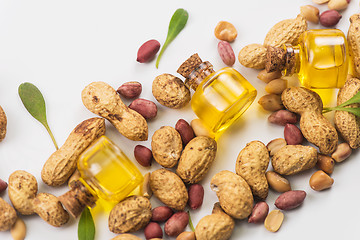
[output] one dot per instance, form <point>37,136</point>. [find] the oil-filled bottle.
<point>220,97</point>
<point>105,172</point>
<point>320,59</point>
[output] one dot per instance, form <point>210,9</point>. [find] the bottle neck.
<point>292,60</point>
<point>198,75</point>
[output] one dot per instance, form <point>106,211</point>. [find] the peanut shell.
<point>7,215</point>
<point>251,165</point>
<point>348,124</point>
<point>166,145</point>
<point>253,56</point>
<point>170,91</point>
<point>3,123</point>
<point>130,215</point>
<point>62,163</point>
<point>101,99</point>
<point>314,126</point>
<point>286,31</point>
<point>234,194</point>
<point>23,188</point>
<point>353,38</point>
<point>49,208</point>
<point>292,159</point>
<point>169,189</point>
<point>126,236</point>
<point>196,159</point>
<point>215,226</point>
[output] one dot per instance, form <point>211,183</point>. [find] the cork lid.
<point>189,65</point>
<point>77,199</point>
<point>275,59</point>
<point>195,71</point>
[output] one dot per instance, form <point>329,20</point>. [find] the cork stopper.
<point>189,65</point>
<point>77,199</point>
<point>275,59</point>
<point>195,71</point>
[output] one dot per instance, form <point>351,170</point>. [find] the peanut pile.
<point>186,151</point>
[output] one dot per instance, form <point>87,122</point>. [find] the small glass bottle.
<point>105,172</point>
<point>220,97</point>
<point>320,59</point>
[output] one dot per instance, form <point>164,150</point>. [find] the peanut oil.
<point>107,172</point>
<point>221,98</point>
<point>323,59</point>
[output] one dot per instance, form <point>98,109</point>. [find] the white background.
<point>61,46</point>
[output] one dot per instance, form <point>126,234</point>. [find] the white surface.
<point>61,46</point>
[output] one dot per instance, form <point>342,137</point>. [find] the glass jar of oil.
<point>105,172</point>
<point>320,59</point>
<point>220,97</point>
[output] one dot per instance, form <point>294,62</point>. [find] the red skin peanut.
<point>153,230</point>
<point>161,214</point>
<point>143,155</point>
<point>196,196</point>
<point>147,51</point>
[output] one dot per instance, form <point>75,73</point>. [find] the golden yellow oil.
<point>107,171</point>
<point>323,59</point>
<point>221,98</point>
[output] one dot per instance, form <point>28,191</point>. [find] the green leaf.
<point>354,99</point>
<point>177,23</point>
<point>34,103</point>
<point>191,225</point>
<point>355,111</point>
<point>86,227</point>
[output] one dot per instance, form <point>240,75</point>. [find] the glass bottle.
<point>105,172</point>
<point>320,59</point>
<point>220,97</point>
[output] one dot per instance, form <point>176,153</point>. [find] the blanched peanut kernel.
<point>200,129</point>
<point>274,220</point>
<point>320,181</point>
<point>225,31</point>
<point>310,13</point>
<point>325,163</point>
<point>277,182</point>
<point>342,152</point>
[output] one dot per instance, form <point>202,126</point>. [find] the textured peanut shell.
<point>348,124</point>
<point>253,56</point>
<point>3,123</point>
<point>215,226</point>
<point>166,145</point>
<point>7,215</point>
<point>353,39</point>
<point>196,159</point>
<point>49,208</point>
<point>314,126</point>
<point>251,164</point>
<point>22,190</point>
<point>62,163</point>
<point>300,99</point>
<point>234,194</point>
<point>103,100</point>
<point>286,31</point>
<point>319,131</point>
<point>130,215</point>
<point>126,236</point>
<point>169,189</point>
<point>170,91</point>
<point>292,159</point>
